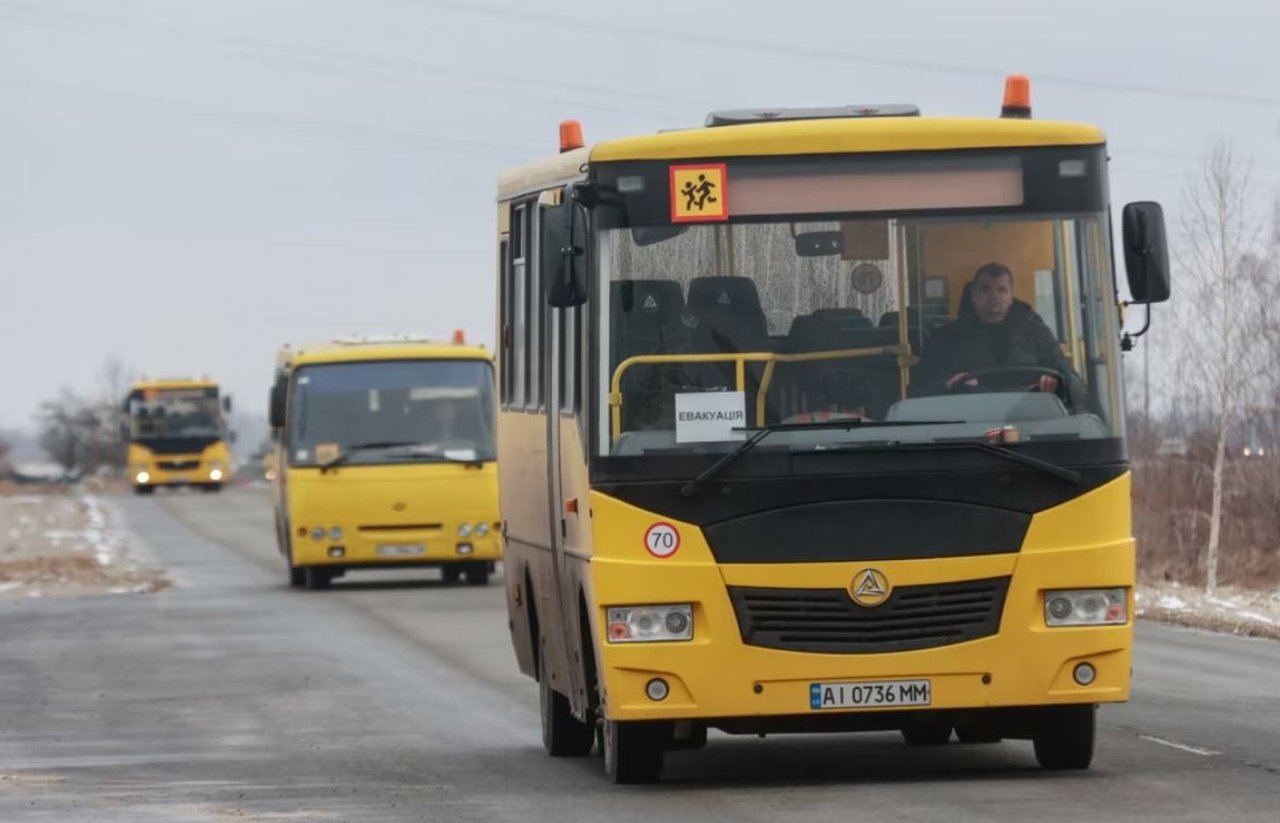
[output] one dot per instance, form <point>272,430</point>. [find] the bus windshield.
<point>975,322</point>
<point>169,414</point>
<point>391,412</point>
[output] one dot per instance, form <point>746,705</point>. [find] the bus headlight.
<point>1086,607</point>
<point>335,534</point>
<point>215,474</point>
<point>482,529</point>
<point>648,624</point>
<point>317,533</point>
<point>143,477</point>
<point>464,530</point>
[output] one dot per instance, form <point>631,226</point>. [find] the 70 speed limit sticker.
<point>662,539</point>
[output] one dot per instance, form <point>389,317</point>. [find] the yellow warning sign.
<point>699,193</point>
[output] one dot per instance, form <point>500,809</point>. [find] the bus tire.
<point>144,490</point>
<point>315,578</point>
<point>633,751</point>
<point>296,575</point>
<point>478,574</point>
<point>1065,738</point>
<point>451,573</point>
<point>563,735</point>
<point>209,488</point>
<point>927,732</point>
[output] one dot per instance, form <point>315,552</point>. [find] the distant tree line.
<point>83,433</point>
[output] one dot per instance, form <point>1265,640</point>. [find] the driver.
<point>992,330</point>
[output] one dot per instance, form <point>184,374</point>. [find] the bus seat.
<point>728,312</point>
<point>646,318</point>
<point>728,318</point>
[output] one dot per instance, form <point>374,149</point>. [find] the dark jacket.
<point>970,345</point>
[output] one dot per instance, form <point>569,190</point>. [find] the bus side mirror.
<point>562,256</point>
<point>226,403</point>
<point>1146,253</point>
<point>276,405</point>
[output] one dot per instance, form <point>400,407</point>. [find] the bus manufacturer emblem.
<point>869,588</point>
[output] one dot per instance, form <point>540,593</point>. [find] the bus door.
<point>555,329</point>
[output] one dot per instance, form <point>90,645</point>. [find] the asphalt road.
<point>392,697</point>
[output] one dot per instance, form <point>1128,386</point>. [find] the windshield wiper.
<point>1069,475</point>
<point>691,488</point>
<point>359,447</point>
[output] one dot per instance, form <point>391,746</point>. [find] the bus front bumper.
<point>718,675</point>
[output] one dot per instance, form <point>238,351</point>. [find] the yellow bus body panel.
<point>194,466</point>
<point>1085,542</point>
<point>393,505</point>
<point>848,136</point>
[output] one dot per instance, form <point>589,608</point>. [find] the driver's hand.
<point>1048,383</point>
<point>962,377</point>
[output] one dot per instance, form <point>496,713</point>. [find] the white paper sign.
<point>708,417</point>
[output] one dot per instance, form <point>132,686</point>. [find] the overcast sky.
<point>188,184</point>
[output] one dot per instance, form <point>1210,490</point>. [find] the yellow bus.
<point>177,434</point>
<point>819,427</point>
<point>385,458</point>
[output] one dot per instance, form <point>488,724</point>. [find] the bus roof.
<point>174,383</point>
<point>837,135</point>
<point>348,350</point>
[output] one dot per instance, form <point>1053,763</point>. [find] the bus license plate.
<point>866,695</point>
<point>401,549</point>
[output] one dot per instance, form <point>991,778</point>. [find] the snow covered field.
<point>67,544</point>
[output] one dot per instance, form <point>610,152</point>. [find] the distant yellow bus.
<point>749,480</point>
<point>177,435</point>
<point>384,458</point>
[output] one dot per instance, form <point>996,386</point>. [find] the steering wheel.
<point>1015,376</point>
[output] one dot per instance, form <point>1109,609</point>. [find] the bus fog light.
<point>465,548</point>
<point>143,477</point>
<point>337,551</point>
<point>657,689</point>
<point>1086,607</point>
<point>639,624</point>
<point>1085,674</point>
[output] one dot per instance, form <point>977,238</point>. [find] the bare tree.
<point>1219,237</point>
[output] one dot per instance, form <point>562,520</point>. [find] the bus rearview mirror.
<point>819,243</point>
<point>1146,252</point>
<point>563,256</point>
<point>275,405</point>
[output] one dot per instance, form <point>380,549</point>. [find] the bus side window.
<point>505,318</point>
<point>520,307</point>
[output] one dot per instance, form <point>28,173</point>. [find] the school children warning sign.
<point>699,193</point>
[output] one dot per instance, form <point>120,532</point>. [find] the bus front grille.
<point>179,465</point>
<point>828,620</point>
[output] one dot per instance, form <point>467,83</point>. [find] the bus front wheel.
<point>144,490</point>
<point>563,735</point>
<point>478,573</point>
<point>316,577</point>
<point>1065,738</point>
<point>633,751</point>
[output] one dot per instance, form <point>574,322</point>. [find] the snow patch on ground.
<point>1248,612</point>
<point>67,545</point>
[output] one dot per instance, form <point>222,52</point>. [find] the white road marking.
<point>1180,746</point>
